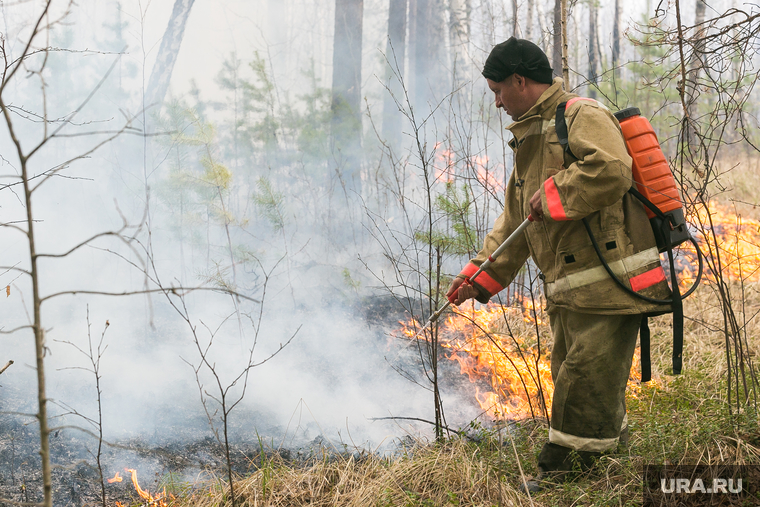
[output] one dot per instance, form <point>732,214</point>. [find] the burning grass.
<point>681,419</point>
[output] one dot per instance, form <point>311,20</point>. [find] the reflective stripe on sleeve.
<point>484,279</point>
<point>553,202</point>
<point>647,279</point>
<point>582,443</point>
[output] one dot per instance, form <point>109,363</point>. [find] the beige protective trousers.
<point>591,361</point>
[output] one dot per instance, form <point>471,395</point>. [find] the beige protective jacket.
<point>593,185</point>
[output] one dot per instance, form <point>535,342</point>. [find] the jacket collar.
<point>544,108</point>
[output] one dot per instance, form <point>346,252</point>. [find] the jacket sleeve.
<point>504,268</point>
<point>602,173</point>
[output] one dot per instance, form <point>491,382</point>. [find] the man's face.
<point>510,95</point>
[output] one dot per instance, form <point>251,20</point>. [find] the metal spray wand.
<point>486,263</point>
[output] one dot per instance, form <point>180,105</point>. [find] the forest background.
<point>290,179</point>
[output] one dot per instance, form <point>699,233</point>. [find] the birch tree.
<point>158,84</point>
<point>557,39</point>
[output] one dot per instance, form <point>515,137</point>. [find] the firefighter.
<point>594,323</point>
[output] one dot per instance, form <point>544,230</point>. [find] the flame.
<point>496,346</point>
<point>116,478</point>
<point>486,174</point>
<point>447,165</point>
<point>736,240</point>
<point>159,500</point>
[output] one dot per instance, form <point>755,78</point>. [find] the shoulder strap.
<point>560,125</point>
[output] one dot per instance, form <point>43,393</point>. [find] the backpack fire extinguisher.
<point>655,186</point>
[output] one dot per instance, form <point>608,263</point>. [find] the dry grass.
<point>674,419</point>
<point>739,175</point>
<point>679,419</point>
<point>682,419</point>
<point>455,473</point>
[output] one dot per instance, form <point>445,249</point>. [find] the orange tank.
<point>653,177</point>
<point>651,171</point>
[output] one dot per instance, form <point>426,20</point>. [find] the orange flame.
<point>512,376</point>
<point>159,500</point>
<point>736,241</point>
<point>447,165</point>
<point>116,478</point>
<point>496,347</point>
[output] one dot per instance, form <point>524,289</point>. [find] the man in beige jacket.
<point>594,322</point>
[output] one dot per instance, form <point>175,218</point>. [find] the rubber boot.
<point>558,460</point>
<point>558,464</point>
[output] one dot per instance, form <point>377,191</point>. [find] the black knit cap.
<point>517,56</point>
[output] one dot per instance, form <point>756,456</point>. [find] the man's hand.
<point>465,291</point>
<point>536,209</point>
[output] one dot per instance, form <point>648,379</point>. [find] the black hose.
<point>634,293</point>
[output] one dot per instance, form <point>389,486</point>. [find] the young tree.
<point>27,145</point>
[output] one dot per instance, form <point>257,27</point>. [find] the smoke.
<point>209,203</point>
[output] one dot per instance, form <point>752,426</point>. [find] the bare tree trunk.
<point>459,34</point>
<point>346,89</point>
<point>541,14</point>
<point>158,84</point>
<point>395,53</point>
<point>411,44</point>
<point>692,78</point>
<point>515,16</point>
<point>592,60</point>
<point>557,40</point>
<point>430,79</point>
<point>39,346</point>
<point>563,31</point>
<point>529,22</point>
<point>616,41</point>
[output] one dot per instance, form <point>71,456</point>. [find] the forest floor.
<point>682,419</point>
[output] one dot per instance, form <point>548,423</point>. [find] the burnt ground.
<point>177,466</point>
<point>193,459</point>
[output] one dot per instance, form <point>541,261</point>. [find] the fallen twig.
<point>6,366</point>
